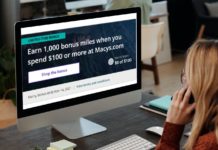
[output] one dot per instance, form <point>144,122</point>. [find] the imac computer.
<point>76,4</point>
<point>73,66</point>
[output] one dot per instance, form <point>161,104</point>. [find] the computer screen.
<point>76,4</point>
<point>73,60</point>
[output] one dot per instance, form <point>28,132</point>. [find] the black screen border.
<point>79,100</point>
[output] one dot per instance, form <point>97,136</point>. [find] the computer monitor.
<point>76,4</point>
<point>73,66</point>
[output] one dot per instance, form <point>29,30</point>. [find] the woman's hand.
<point>180,111</point>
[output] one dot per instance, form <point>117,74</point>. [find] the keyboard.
<point>132,142</point>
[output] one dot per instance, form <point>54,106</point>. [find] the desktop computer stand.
<point>78,128</point>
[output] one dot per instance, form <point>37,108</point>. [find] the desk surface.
<point>120,123</point>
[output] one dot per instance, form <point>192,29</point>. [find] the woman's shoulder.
<point>207,142</point>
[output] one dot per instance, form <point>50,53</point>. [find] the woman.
<point>201,77</point>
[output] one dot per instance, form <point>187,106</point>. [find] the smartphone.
<point>191,99</point>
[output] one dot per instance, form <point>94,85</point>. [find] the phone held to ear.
<point>191,99</point>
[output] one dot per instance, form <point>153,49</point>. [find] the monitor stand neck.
<point>78,128</point>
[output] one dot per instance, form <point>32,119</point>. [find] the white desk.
<point>29,1</point>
